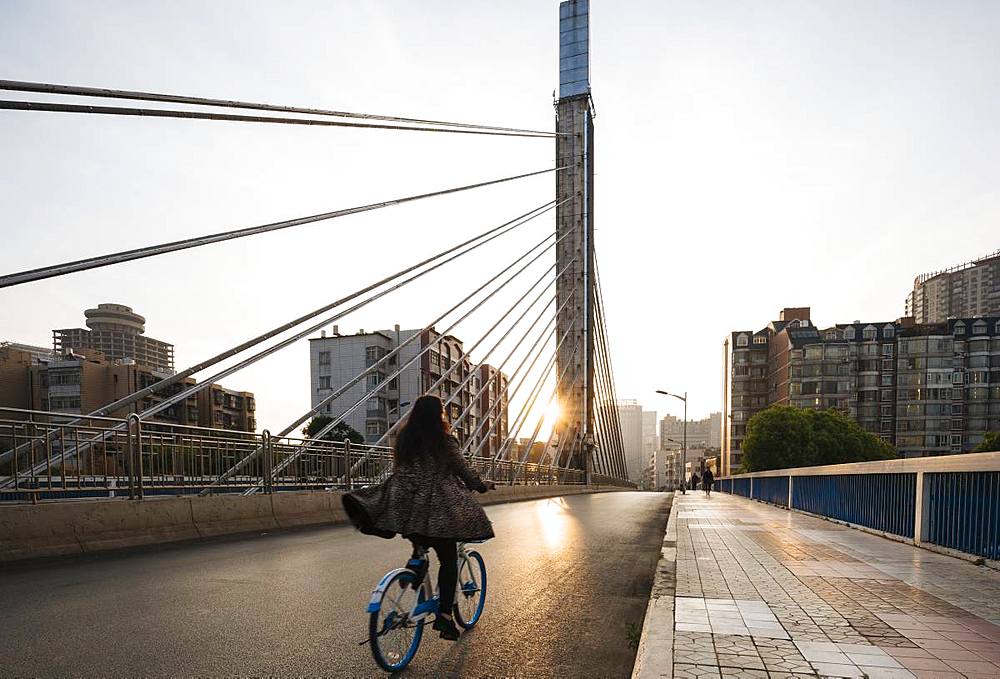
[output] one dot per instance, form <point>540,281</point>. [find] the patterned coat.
<point>429,497</point>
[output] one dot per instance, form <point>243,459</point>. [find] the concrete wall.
<point>58,528</point>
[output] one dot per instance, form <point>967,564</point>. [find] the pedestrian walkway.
<point>764,592</point>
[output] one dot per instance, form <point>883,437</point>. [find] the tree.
<point>991,443</point>
<point>781,437</point>
<point>341,431</point>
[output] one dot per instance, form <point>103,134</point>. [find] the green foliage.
<point>633,634</point>
<point>991,443</point>
<point>782,436</point>
<point>340,432</point>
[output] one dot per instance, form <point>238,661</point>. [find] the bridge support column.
<point>575,219</point>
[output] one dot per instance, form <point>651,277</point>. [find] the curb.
<point>655,656</point>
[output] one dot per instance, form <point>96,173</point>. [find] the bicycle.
<point>404,598</point>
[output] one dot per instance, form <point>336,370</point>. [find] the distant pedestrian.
<point>707,479</point>
<point>694,481</point>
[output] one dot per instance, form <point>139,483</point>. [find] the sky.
<point>749,157</point>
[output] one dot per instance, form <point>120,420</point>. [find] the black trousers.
<point>447,554</point>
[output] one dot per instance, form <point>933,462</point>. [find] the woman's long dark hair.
<point>424,432</point>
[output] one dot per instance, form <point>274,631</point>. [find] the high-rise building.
<point>88,369</point>
<point>704,433</point>
<point>963,291</point>
<point>116,331</point>
<point>630,416</point>
<point>337,359</point>
<point>650,435</point>
<point>927,389</point>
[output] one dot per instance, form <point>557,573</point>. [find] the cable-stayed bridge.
<point>550,339</point>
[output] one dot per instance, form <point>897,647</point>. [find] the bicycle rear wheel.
<point>470,596</point>
<point>394,637</point>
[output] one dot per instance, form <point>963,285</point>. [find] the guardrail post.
<point>268,455</point>
<point>750,492</point>
<point>176,461</point>
<point>347,459</point>
<point>921,510</point>
<point>791,488</point>
<point>133,445</point>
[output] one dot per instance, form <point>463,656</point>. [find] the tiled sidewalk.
<point>764,592</point>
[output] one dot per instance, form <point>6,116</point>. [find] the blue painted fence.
<point>959,509</point>
<point>740,487</point>
<point>773,489</point>
<point>882,502</point>
<point>963,512</point>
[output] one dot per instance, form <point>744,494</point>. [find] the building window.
<point>886,380</point>
<point>888,331</point>
<point>324,358</point>
<point>324,382</point>
<point>979,327</point>
<point>870,332</point>
<point>742,341</point>
<point>372,381</point>
<point>760,339</point>
<point>960,328</point>
<point>849,332</point>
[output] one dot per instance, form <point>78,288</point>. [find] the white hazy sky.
<point>749,156</point>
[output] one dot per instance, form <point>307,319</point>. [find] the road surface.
<point>566,578</point>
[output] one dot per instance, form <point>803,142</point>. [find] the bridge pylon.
<point>575,217</point>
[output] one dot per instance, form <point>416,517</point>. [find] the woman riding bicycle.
<point>427,500</point>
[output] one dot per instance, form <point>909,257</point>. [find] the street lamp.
<point>684,449</point>
<point>673,461</point>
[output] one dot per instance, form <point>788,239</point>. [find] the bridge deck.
<point>566,577</point>
<point>762,591</point>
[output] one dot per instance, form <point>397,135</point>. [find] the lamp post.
<point>684,449</point>
<point>673,462</point>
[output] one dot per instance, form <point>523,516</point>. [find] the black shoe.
<point>446,628</point>
<point>419,568</point>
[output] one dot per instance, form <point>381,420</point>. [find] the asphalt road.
<point>567,576</point>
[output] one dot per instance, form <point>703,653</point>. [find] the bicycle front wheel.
<point>394,637</point>
<point>470,596</point>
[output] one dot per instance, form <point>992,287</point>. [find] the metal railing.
<point>950,502</point>
<point>60,456</point>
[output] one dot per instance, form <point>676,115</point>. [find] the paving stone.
<point>761,592</point>
<point>682,671</point>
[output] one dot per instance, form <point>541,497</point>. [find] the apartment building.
<point>650,434</point>
<point>221,408</point>
<point>703,433</point>
<point>948,393</point>
<point>630,416</point>
<point>88,369</point>
<point>479,411</point>
<point>927,389</point>
<point>963,291</point>
<point>117,332</point>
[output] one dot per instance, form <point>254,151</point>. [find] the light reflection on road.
<point>554,523</point>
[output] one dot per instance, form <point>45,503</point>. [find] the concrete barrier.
<point>59,528</point>
<point>229,514</point>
